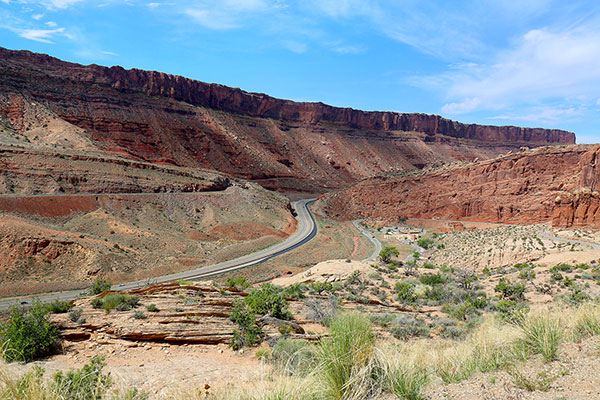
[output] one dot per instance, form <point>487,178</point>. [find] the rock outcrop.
<point>547,184</point>
<point>282,144</point>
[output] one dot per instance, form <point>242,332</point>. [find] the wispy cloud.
<point>37,17</point>
<point>543,115</point>
<point>40,35</point>
<point>226,14</point>
<point>61,4</point>
<point>543,65</point>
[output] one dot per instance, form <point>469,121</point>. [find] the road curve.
<point>593,245</point>
<point>307,229</point>
<point>373,239</point>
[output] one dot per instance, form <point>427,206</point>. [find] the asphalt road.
<point>307,229</point>
<point>373,239</point>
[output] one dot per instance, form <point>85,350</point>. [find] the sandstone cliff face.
<point>556,184</point>
<point>282,144</point>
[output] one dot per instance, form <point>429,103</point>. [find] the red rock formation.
<point>556,184</point>
<point>282,144</point>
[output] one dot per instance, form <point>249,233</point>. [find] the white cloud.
<point>51,24</point>
<point>543,115</point>
<point>109,53</point>
<point>348,49</point>
<point>61,4</point>
<point>37,17</point>
<point>225,14</point>
<point>39,35</point>
<point>543,65</point>
<point>462,107</point>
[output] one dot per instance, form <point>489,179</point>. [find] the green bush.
<point>248,332</point>
<point>295,291</point>
<point>239,282</point>
<point>87,383</point>
<point>58,307</point>
<point>425,243</point>
<point>268,299</point>
<point>512,291</point>
<point>152,308</point>
<point>27,336</point>
<point>432,279</point>
<point>510,310</point>
<point>406,291</point>
<point>100,286</point>
<point>118,301</point>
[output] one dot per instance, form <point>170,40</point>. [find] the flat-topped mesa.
<point>235,100</point>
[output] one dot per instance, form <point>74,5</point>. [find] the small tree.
<point>27,336</point>
<point>100,286</point>
<point>387,253</point>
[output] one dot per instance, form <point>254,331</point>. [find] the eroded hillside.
<point>557,184</point>
<point>286,145</point>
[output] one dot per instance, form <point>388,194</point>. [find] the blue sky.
<point>527,63</point>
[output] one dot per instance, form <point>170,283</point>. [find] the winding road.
<point>373,239</point>
<point>307,229</point>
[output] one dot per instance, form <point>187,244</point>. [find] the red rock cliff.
<point>282,144</point>
<point>554,184</point>
<point>224,98</point>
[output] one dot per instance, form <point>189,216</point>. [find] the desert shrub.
<point>75,314</point>
<point>118,301</point>
<point>345,354</point>
<point>406,291</point>
<point>295,291</point>
<point>26,336</point>
<point>138,314</point>
<point>152,308</point>
<point>100,286</point>
<point>510,310</point>
<point>432,279</point>
<point>562,268</point>
<point>58,307</point>
<point>527,274</point>
<point>293,356</point>
<point>268,299</point>
<point>425,243</point>
<point>87,383</point>
<point>319,288</point>
<point>405,326</point>
<point>512,291</point>
<point>248,332</point>
<point>576,295</point>
<point>323,311</point>
<point>239,282</point>
<point>542,334</point>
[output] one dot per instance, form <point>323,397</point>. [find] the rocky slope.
<point>547,184</point>
<point>282,144</point>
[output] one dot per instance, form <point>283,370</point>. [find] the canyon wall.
<point>282,144</point>
<point>533,186</point>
